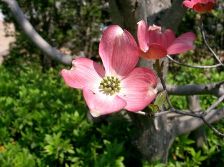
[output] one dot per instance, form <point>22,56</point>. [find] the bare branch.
<point>216,89</point>
<point>193,66</point>
<point>33,35</point>
<point>158,114</point>
<point>214,105</point>
<point>217,132</point>
<point>187,124</point>
<point>192,121</point>
<point>206,43</point>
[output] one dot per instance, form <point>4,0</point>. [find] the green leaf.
<point>161,100</point>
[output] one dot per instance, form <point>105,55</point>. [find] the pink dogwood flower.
<point>156,44</point>
<point>200,6</point>
<point>119,85</point>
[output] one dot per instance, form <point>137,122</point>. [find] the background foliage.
<point>45,123</point>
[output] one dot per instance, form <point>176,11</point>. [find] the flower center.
<point>110,85</point>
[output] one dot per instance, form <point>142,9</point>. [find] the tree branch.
<point>206,42</point>
<point>216,89</point>
<point>194,66</point>
<point>199,135</point>
<point>214,105</point>
<point>33,35</point>
<point>188,123</point>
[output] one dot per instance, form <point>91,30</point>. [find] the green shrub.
<point>44,123</point>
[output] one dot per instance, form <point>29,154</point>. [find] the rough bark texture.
<point>155,135</point>
<point>216,89</point>
<point>199,134</point>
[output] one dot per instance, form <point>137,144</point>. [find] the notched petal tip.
<point>119,31</point>
<point>115,30</point>
<point>154,28</point>
<point>141,22</point>
<point>84,73</point>
<point>69,79</point>
<point>188,4</point>
<point>100,104</point>
<point>63,73</point>
<point>95,113</point>
<point>152,91</point>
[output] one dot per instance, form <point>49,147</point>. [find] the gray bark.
<point>199,135</point>
<point>216,89</point>
<point>187,124</point>
<point>155,136</point>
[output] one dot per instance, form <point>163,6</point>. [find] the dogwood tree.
<point>120,85</point>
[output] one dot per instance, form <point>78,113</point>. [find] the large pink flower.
<point>156,44</point>
<point>200,6</point>
<point>120,85</point>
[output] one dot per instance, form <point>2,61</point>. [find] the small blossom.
<point>156,44</point>
<point>119,85</point>
<point>200,6</point>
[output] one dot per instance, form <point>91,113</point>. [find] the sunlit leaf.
<point>161,101</point>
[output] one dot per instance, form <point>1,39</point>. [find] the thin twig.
<point>187,113</point>
<point>200,116</point>
<point>206,43</point>
<point>214,105</point>
<point>211,127</point>
<point>152,114</point>
<point>193,66</point>
<point>192,114</point>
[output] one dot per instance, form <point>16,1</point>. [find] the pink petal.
<point>84,73</point>
<point>164,39</point>
<point>138,89</point>
<point>188,4</point>
<point>155,35</point>
<point>182,44</point>
<point>143,35</point>
<point>119,51</point>
<point>155,51</point>
<point>101,104</point>
<point>169,37</point>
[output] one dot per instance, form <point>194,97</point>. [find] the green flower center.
<point>110,85</point>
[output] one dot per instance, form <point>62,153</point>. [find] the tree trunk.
<point>155,136</point>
